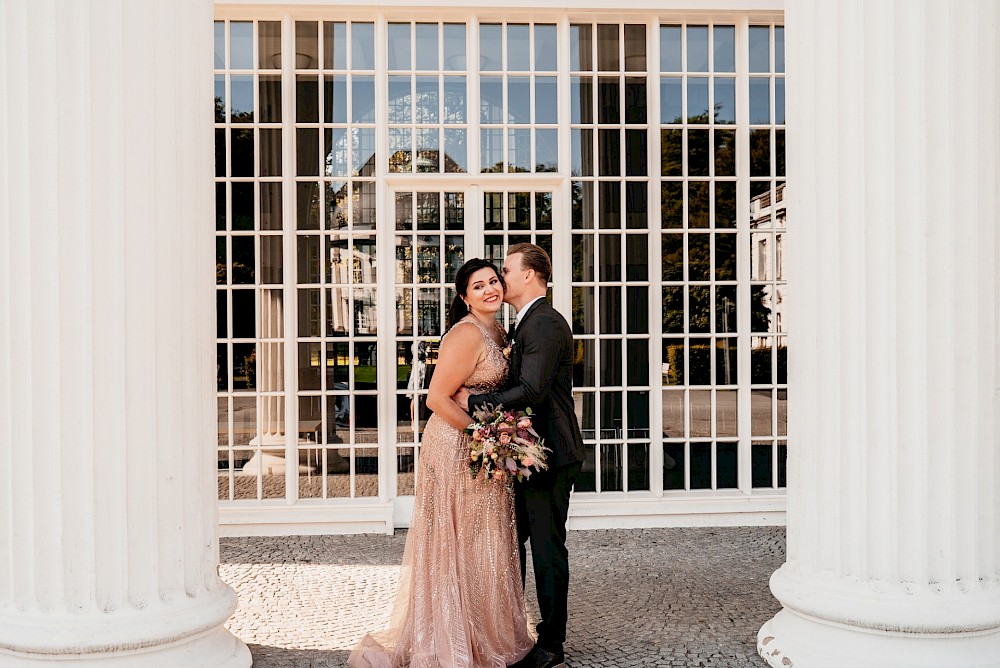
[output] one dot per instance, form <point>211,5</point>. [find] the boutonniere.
<point>508,350</point>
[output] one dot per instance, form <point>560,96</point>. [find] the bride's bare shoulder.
<point>462,338</point>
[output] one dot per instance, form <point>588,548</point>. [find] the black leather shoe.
<point>541,658</point>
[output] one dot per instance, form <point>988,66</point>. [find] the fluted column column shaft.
<point>894,471</point>
<point>108,530</point>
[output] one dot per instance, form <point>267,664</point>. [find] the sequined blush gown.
<point>460,601</point>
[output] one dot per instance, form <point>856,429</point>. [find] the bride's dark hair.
<point>458,308</point>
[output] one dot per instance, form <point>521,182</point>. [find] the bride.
<point>460,602</point>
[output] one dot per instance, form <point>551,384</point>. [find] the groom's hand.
<point>462,398</point>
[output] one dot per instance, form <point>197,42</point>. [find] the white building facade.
<point>361,154</point>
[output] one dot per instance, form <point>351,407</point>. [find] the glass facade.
<point>354,178</point>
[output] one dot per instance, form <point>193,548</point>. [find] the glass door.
<point>430,244</point>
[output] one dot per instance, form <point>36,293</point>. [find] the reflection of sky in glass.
<point>491,149</point>
<point>363,101</point>
<point>241,102</point>
<point>697,49</point>
<point>490,45</point>
<point>697,96</point>
<point>454,46</point>
<point>220,45</point>
<point>336,99</point>
<point>725,100</point>
<point>760,107</point>
<point>779,49</point>
<point>724,49</point>
<point>546,149</point>
<point>545,48</point>
<point>518,100</point>
<point>670,49</point>
<point>240,45</point>
<point>546,100</point>
<point>518,49</point>
<point>399,46</point>
<point>427,46</point>
<point>779,100</point>
<point>336,53</point>
<point>670,100</point>
<point>491,99</point>
<point>363,46</point>
<point>519,150</point>
<point>760,60</point>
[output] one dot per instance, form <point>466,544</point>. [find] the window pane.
<point>697,49</point>
<point>399,46</point>
<point>760,59</point>
<point>670,49</point>
<point>454,47</point>
<point>545,48</point>
<point>724,50</point>
<point>490,47</point>
<point>427,46</point>
<point>581,48</point>
<point>607,48</point>
<point>518,47</point>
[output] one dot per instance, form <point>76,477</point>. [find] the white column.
<point>894,471</point>
<point>108,529</point>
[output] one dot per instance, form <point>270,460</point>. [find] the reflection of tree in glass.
<point>578,312</point>
<point>671,158</point>
<point>240,140</point>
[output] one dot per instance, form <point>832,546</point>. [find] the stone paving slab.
<point>685,598</point>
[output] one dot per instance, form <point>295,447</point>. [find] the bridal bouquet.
<point>504,444</point>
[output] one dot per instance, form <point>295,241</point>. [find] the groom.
<point>541,376</point>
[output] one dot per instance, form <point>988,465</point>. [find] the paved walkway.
<point>641,597</point>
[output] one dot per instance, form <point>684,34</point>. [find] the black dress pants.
<point>542,506</point>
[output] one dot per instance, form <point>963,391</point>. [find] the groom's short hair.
<point>535,258</point>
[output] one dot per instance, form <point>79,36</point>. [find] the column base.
<point>186,632</point>
<point>214,649</point>
<point>793,640</point>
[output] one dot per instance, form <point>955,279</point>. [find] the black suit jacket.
<point>541,376</point>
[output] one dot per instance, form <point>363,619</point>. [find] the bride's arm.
<point>457,359</point>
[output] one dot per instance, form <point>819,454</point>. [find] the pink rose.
<point>527,460</point>
<point>504,438</point>
<point>477,435</point>
<point>524,423</point>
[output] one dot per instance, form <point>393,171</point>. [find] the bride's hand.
<point>461,397</point>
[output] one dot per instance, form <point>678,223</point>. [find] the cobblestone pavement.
<point>692,597</point>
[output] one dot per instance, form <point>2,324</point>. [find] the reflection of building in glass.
<point>767,227</point>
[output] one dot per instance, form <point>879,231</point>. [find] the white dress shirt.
<point>524,309</point>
